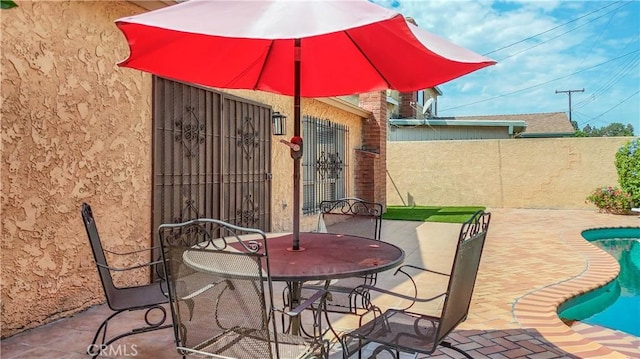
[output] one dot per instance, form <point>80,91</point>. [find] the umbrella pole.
<point>297,155</point>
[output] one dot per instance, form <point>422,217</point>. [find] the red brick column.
<point>371,159</point>
<point>406,100</point>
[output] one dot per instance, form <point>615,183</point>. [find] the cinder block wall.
<point>525,173</point>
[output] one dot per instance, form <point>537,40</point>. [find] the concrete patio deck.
<point>533,261</point>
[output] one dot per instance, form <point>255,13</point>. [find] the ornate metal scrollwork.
<point>351,206</point>
<point>208,234</point>
<point>329,166</point>
<point>248,137</point>
<point>248,213</point>
<point>479,222</point>
<point>189,208</point>
<point>190,132</point>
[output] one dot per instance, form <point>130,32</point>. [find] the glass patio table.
<point>325,257</point>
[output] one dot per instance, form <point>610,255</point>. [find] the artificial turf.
<point>431,213</point>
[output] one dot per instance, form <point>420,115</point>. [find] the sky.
<point>542,46</point>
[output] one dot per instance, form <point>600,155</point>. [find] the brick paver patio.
<point>533,261</point>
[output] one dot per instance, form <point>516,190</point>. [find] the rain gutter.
<point>513,126</point>
<point>346,106</point>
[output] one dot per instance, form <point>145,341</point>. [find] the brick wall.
<point>406,99</point>
<point>370,174</point>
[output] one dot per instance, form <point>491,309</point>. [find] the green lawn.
<point>430,213</point>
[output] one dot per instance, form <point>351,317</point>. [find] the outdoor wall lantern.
<point>279,124</point>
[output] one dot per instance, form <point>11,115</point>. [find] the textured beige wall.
<point>282,165</point>
<point>75,128</point>
<point>526,173</point>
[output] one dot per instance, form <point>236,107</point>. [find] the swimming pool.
<point>617,304</point>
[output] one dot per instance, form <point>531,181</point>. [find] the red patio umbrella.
<point>295,48</point>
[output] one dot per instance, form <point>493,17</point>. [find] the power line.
<point>561,25</point>
<point>562,34</point>
<point>620,75</point>
<point>612,80</point>
<point>540,84</point>
<point>599,36</point>
<point>614,106</point>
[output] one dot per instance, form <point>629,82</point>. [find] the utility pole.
<point>569,92</point>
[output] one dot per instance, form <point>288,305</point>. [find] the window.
<point>324,162</point>
<point>420,97</point>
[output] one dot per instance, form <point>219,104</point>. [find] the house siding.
<point>439,133</point>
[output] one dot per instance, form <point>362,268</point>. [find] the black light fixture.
<point>279,124</point>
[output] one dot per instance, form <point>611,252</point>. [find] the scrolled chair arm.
<point>121,269</point>
<point>362,289</point>
<point>319,294</point>
<point>132,252</point>
<point>137,266</point>
<point>401,269</point>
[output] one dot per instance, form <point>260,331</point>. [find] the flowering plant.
<point>611,200</point>
<point>628,166</point>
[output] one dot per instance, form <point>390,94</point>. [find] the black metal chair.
<point>224,269</point>
<point>350,216</point>
<point>405,330</point>
<point>146,298</point>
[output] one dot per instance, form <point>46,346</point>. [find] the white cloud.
<point>484,26</point>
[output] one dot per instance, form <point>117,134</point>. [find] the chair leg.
<point>95,348</point>
<point>449,346</point>
<point>285,303</point>
<point>333,331</point>
<point>384,348</point>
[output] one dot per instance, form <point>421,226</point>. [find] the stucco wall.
<point>525,173</point>
<point>76,128</point>
<point>282,165</point>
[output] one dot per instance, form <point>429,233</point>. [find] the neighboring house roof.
<point>514,127</point>
<point>436,89</point>
<point>531,125</point>
<point>550,124</point>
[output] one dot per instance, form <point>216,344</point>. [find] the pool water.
<point>617,304</point>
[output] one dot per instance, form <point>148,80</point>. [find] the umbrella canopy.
<point>348,47</point>
<point>296,48</point>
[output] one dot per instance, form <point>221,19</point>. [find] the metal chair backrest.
<point>110,289</point>
<point>352,216</point>
<point>219,287</point>
<point>463,273</point>
<point>124,299</point>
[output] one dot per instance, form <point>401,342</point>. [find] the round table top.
<point>329,256</point>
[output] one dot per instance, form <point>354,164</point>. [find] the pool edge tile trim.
<point>532,309</point>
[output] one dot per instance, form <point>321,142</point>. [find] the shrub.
<point>628,165</point>
<point>611,200</point>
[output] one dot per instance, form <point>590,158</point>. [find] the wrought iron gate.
<point>325,162</point>
<point>211,157</point>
